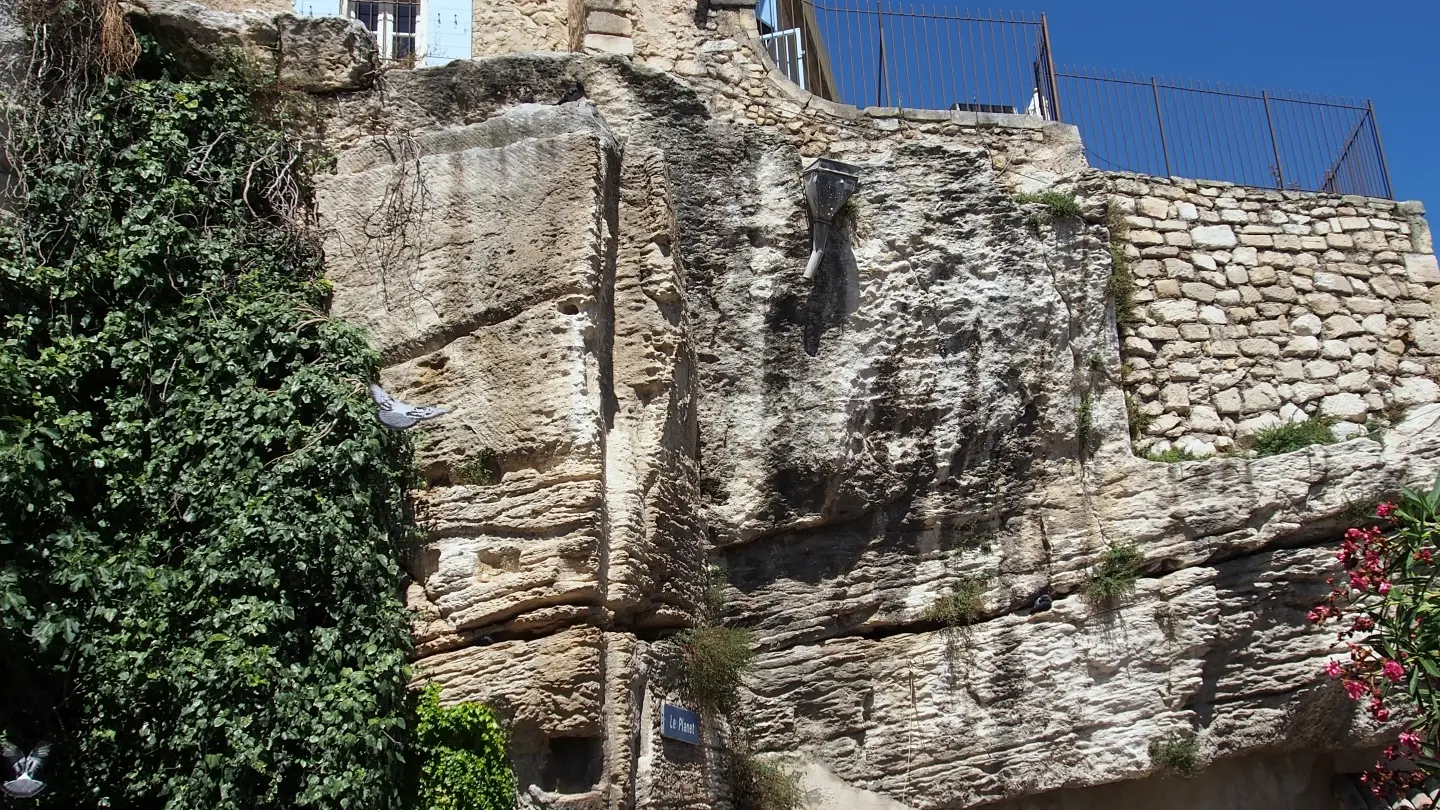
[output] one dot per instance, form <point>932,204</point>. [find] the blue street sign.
<point>678,724</point>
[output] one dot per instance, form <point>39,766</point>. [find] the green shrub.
<point>1294,436</point>
<point>962,606</point>
<point>461,751</point>
<point>1172,456</point>
<point>200,518</point>
<point>716,660</point>
<point>1138,419</point>
<point>1058,204</point>
<point>1115,574</point>
<point>480,469</point>
<point>1085,436</point>
<point>1176,755</point>
<point>763,784</point>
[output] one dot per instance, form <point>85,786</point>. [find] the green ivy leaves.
<point>199,517</point>
<point>464,765</point>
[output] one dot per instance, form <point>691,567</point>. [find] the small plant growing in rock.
<point>1293,436</point>
<point>1176,755</point>
<point>480,469</point>
<point>962,606</point>
<point>1058,204</point>
<point>1139,420</point>
<point>1172,456</point>
<point>716,657</point>
<point>716,660</point>
<point>1121,284</point>
<point>763,784</point>
<point>1085,436</point>
<point>1114,575</point>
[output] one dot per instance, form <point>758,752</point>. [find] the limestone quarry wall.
<point>609,292</point>
<point>1260,307</point>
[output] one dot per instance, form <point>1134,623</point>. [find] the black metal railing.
<point>1214,132</point>
<point>886,53</point>
<point>889,53</point>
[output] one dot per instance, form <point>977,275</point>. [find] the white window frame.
<point>384,37</point>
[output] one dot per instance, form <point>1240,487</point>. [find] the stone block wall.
<point>1256,307</point>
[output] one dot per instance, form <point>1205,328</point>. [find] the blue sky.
<point>1383,50</point>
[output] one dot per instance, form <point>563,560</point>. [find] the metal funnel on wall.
<point>828,184</point>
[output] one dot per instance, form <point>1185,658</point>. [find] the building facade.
<point>432,32</point>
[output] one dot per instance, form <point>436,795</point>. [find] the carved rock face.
<point>610,296</point>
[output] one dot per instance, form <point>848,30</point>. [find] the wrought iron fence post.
<point>880,78</point>
<point>1274,142</point>
<point>1050,69</point>
<point>1160,119</point>
<point>1380,148</point>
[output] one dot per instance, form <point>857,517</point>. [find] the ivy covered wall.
<point>200,519</point>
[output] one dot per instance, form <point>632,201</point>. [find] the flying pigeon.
<point>1042,603</point>
<point>575,93</point>
<point>401,415</point>
<point>25,769</point>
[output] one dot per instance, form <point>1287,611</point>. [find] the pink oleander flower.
<point>1381,714</point>
<point>1393,671</point>
<point>1358,581</point>
<point>1363,624</point>
<point>1318,614</point>
<point>1355,689</point>
<point>1333,668</point>
<point>1383,587</point>
<point>1384,509</point>
<point>1409,739</point>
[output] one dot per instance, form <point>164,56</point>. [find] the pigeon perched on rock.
<point>24,769</point>
<point>1042,603</point>
<point>401,415</point>
<point>575,93</point>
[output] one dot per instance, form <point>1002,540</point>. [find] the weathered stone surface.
<point>325,54</point>
<point>312,54</point>
<point>647,380</point>
<point>1014,686</point>
<point>1213,236</point>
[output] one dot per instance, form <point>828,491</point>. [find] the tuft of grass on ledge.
<point>1294,436</point>
<point>1176,755</point>
<point>1114,575</point>
<point>1173,456</point>
<point>1058,204</point>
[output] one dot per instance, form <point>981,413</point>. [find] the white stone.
<point>1303,346</point>
<point>1339,326</point>
<point>1195,446</point>
<point>1332,282</point>
<point>1228,401</point>
<point>1214,236</point>
<point>1426,337</point>
<point>1186,211</point>
<point>1422,268</point>
<point>1290,412</point>
<point>1205,419</point>
<point>1249,427</point>
<point>1321,370</point>
<point>1345,431</point>
<point>1307,324</point>
<point>1246,255</point>
<point>1335,350</point>
<point>1260,398</point>
<point>1375,324</point>
<point>1175,397</point>
<point>1415,391</point>
<point>1345,407</point>
<point>1176,310</point>
<point>1213,315</point>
